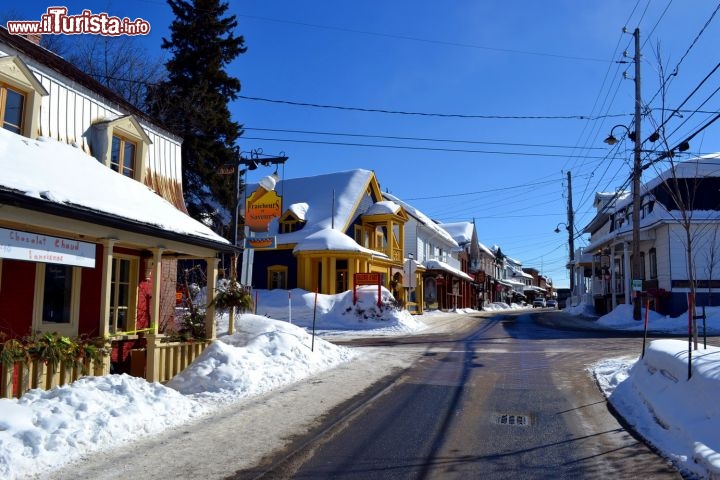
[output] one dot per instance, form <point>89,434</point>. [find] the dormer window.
<point>122,145</point>
<point>20,97</point>
<point>12,106</point>
<point>292,220</point>
<point>122,156</point>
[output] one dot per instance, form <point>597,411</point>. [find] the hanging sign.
<point>34,247</point>
<point>260,243</point>
<point>260,208</point>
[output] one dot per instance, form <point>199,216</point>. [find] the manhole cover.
<point>512,419</point>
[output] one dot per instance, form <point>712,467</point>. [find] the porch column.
<point>305,273</point>
<point>332,263</point>
<point>212,277</point>
<point>104,327</point>
<point>156,283</point>
<point>152,368</point>
<point>352,270</point>
<point>325,266</point>
<point>627,278</point>
<point>106,282</point>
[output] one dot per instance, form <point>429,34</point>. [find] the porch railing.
<point>19,377</point>
<point>167,359</point>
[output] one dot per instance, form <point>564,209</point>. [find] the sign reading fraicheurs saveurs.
<point>34,247</point>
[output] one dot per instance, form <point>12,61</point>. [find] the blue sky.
<point>514,94</point>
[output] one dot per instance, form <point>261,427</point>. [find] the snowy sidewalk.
<point>239,436</point>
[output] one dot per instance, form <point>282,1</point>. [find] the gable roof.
<point>462,232</point>
<point>423,219</point>
<point>332,200</point>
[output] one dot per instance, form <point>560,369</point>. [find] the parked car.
<point>563,294</point>
<point>539,302</point>
<point>552,303</point>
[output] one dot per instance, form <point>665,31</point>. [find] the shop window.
<point>277,277</point>
<point>123,294</point>
<point>652,257</point>
<point>642,266</point>
<point>57,298</point>
<point>12,105</point>
<point>341,276</point>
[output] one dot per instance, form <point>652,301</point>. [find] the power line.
<point>491,190</point>
<point>409,147</point>
<point>421,139</point>
<point>427,114</point>
<point>424,40</point>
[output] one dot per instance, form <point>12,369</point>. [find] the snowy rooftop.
<point>438,265</point>
<point>422,218</point>
<point>55,172</point>
<point>462,232</point>
<point>315,197</point>
<point>383,207</point>
<point>331,239</point>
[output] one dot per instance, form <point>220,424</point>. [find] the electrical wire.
<point>429,114</point>
<point>420,139</point>
<point>410,147</point>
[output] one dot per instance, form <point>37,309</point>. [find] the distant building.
<point>691,186</point>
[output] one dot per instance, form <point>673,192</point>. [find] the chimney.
<point>33,37</point>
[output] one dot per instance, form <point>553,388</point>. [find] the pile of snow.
<point>46,429</point>
<point>621,318</point>
<point>261,355</point>
<point>337,312</point>
<point>675,415</point>
<point>497,306</point>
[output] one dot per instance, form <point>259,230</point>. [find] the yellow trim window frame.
<point>57,298</point>
<point>123,154</point>
<point>12,109</point>
<point>277,277</point>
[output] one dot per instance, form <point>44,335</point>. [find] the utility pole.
<point>571,234</point>
<point>637,170</point>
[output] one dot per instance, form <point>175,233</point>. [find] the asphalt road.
<point>427,406</point>
<point>504,397</point>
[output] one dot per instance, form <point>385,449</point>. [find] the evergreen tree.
<point>193,103</point>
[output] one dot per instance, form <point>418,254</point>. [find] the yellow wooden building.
<point>333,226</point>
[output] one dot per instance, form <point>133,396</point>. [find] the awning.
<point>438,265</point>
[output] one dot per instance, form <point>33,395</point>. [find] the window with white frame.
<point>123,294</point>
<point>652,257</point>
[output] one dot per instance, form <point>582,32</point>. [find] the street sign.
<point>637,285</point>
<point>226,170</point>
<point>372,278</point>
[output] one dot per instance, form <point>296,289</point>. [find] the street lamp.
<point>636,172</point>
<point>612,140</point>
